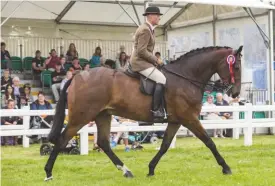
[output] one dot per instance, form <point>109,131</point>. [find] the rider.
<point>143,60</point>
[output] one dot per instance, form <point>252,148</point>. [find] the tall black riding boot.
<point>157,101</point>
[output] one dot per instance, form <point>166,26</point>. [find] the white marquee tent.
<point>185,25</point>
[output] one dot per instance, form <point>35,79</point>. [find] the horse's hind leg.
<point>196,127</point>
<point>64,138</point>
<point>103,123</point>
<point>76,121</point>
<point>169,134</point>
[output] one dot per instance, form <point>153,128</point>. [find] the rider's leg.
<point>155,75</point>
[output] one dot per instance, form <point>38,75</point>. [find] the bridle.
<point>226,86</point>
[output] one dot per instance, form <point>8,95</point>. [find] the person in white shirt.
<point>213,115</point>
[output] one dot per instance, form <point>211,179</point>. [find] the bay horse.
<point>102,92</point>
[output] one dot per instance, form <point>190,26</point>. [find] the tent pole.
<point>270,66</point>
<point>127,13</point>
<point>22,1</point>
<point>214,24</point>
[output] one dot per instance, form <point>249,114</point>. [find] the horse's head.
<point>229,70</point>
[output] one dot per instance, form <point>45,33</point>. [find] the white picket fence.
<point>248,123</point>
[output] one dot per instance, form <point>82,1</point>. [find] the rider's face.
<point>154,19</point>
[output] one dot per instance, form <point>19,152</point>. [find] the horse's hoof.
<point>150,174</point>
<point>128,174</point>
<point>226,172</point>
<point>48,178</point>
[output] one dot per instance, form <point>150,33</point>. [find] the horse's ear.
<point>239,50</point>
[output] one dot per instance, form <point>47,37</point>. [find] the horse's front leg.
<point>170,133</point>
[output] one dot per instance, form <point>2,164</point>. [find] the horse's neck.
<point>199,70</point>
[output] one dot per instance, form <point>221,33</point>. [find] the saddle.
<point>147,86</point>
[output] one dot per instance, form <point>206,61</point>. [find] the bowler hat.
<point>152,10</point>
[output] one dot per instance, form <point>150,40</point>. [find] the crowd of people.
<point>14,95</point>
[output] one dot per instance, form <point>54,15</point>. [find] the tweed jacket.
<point>142,56</point>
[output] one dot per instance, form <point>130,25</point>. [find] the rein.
<point>225,86</point>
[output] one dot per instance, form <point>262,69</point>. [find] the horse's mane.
<point>199,51</point>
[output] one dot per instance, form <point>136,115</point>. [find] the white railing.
<point>248,123</point>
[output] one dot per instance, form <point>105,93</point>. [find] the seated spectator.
<point>157,54</point>
<point>5,55</point>
<point>12,120</point>
<point>52,60</point>
<point>86,67</point>
<point>57,77</point>
<point>5,80</point>
<point>122,62</point>
<point>76,65</point>
<point>26,97</point>
<point>43,121</point>
<point>71,53</point>
<point>95,60</point>
<point>108,63</point>
<point>213,116</point>
<point>41,103</point>
<point>69,76</point>
<point>8,95</point>
<point>224,115</point>
<point>38,64</point>
<point>62,62</point>
<point>221,102</point>
<point>17,90</point>
<point>121,49</point>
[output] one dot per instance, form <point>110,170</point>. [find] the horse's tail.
<point>58,120</point>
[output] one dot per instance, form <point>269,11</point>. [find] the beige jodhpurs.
<point>154,74</point>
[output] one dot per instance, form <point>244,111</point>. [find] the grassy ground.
<point>189,164</point>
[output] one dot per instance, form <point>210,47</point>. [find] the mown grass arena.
<point>191,163</point>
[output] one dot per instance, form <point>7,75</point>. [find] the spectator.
<point>86,67</point>
<point>63,61</point>
<point>213,116</point>
<point>95,60</point>
<point>121,49</point>
<point>9,95</point>
<point>26,96</point>
<point>52,60</point>
<point>69,76</point>
<point>5,55</point>
<point>108,63</point>
<point>41,103</point>
<point>57,77</point>
<point>17,90</point>
<point>224,115</point>
<point>122,62</point>
<point>5,80</point>
<point>38,122</point>
<point>123,135</point>
<point>157,54</point>
<point>76,65</point>
<point>10,120</point>
<point>221,102</point>
<point>71,53</point>
<point>38,64</point>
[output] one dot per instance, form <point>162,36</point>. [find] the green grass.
<point>191,163</point>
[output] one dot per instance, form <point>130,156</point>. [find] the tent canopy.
<point>123,13</point>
